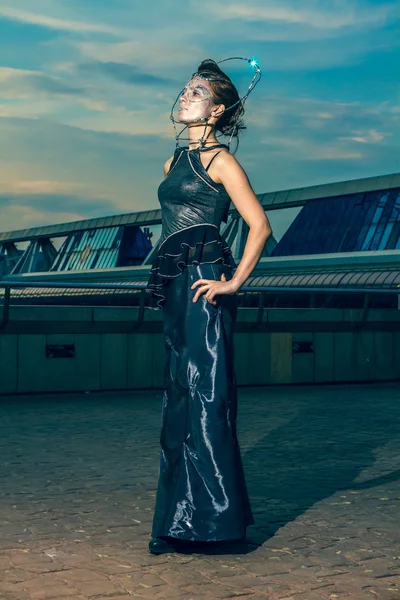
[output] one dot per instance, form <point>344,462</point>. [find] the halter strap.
<point>209,164</point>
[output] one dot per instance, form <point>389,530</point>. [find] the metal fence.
<point>260,291</point>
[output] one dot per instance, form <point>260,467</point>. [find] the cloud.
<point>310,148</point>
<point>370,136</point>
<point>86,207</point>
<point>123,72</point>
<point>310,117</point>
<point>49,22</point>
<point>300,141</point>
<point>4,200</point>
<point>31,94</point>
<point>45,208</point>
<point>135,124</point>
<point>336,15</point>
<point>101,116</point>
<point>23,216</point>
<point>39,187</point>
<point>158,55</point>
<point>125,170</point>
<point>20,83</point>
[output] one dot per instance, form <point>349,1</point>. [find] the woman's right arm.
<point>167,166</point>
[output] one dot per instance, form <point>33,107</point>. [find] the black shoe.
<point>159,546</point>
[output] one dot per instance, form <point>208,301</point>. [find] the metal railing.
<point>261,290</point>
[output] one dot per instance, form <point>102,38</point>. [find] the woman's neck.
<point>197,132</point>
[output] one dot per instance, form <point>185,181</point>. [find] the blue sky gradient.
<point>86,87</point>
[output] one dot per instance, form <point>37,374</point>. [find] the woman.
<point>202,494</point>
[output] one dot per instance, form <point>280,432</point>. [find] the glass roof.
<point>350,223</point>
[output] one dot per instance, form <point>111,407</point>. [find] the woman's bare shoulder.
<point>225,161</point>
<point>167,164</point>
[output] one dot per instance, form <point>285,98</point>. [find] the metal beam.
<point>270,201</point>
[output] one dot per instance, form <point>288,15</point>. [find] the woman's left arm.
<point>228,171</point>
<point>237,184</point>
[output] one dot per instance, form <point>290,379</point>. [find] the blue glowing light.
<point>253,63</point>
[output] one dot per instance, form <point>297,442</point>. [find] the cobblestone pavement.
<point>78,480</point>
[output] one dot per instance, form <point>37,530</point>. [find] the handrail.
<point>45,284</point>
<point>142,286</point>
<point>262,290</point>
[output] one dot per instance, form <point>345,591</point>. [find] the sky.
<point>86,87</point>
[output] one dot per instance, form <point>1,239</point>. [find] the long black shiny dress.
<point>202,494</point>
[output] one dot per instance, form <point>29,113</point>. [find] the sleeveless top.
<point>192,208</point>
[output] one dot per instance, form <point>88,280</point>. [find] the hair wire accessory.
<point>205,96</point>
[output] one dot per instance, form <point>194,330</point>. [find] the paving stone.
<point>245,581</point>
<point>163,592</point>
<point>218,590</point>
<point>174,578</point>
<point>12,592</point>
<point>78,513</point>
<point>118,597</point>
<point>200,597</point>
<point>53,593</point>
<point>77,575</point>
<point>47,587</point>
<point>308,596</point>
<point>126,582</point>
<point>13,575</point>
<point>99,588</point>
<point>113,568</point>
<point>267,568</point>
<point>149,579</point>
<point>34,563</point>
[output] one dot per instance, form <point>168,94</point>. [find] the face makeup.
<point>195,101</point>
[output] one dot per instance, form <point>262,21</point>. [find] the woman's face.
<point>195,101</point>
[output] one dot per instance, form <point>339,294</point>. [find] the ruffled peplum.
<point>193,245</point>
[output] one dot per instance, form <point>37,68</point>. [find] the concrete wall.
<point>111,354</point>
<point>102,362</point>
<point>266,358</point>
